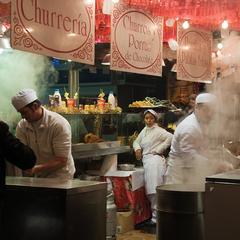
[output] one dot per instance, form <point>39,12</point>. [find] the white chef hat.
<point>23,98</point>
<point>155,114</point>
<point>205,98</point>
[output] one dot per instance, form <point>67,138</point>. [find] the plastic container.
<point>57,97</point>
<point>111,101</point>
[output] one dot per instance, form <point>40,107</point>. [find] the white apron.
<point>154,170</point>
<point>193,172</point>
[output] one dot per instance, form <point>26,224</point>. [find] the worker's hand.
<point>138,154</point>
<point>35,170</point>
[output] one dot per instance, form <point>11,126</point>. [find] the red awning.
<point>207,14</point>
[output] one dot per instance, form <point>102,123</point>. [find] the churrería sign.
<point>136,41</point>
<point>194,54</point>
<point>57,28</point>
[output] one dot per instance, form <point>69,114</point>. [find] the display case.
<point>108,127</point>
<point>114,133</point>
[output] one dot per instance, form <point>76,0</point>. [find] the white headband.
<point>155,114</point>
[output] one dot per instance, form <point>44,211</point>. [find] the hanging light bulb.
<point>185,24</point>
<point>170,22</point>
<point>225,24</point>
<point>172,43</point>
<point>220,45</point>
<point>115,1</point>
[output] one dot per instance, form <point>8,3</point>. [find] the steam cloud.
<point>19,70</point>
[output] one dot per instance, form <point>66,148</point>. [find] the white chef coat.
<point>49,137</point>
<point>153,142</point>
<point>188,162</point>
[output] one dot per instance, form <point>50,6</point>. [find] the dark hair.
<point>35,101</point>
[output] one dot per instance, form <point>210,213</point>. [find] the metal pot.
<point>126,167</point>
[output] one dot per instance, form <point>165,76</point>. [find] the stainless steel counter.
<point>228,177</point>
<point>69,187</point>
<point>50,209</point>
<point>222,210</point>
<point>92,150</point>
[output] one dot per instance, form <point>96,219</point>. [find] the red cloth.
<point>126,199</point>
<point>204,14</point>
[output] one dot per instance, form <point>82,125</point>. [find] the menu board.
<point>136,41</point>
<point>57,28</point>
<point>194,54</point>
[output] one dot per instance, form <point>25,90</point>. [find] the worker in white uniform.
<point>149,147</point>
<point>189,160</point>
<point>47,133</point>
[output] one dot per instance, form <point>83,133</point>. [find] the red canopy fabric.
<point>207,14</point>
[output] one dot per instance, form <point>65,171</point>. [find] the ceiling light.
<point>115,1</point>
<point>220,45</point>
<point>170,22</point>
<point>225,24</point>
<point>172,43</point>
<point>185,24</point>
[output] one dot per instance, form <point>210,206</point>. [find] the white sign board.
<point>194,54</point>
<point>136,41</point>
<point>57,28</point>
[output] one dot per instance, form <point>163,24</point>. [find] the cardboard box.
<point>125,221</point>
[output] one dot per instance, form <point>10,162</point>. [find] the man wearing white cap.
<point>47,133</point>
<point>188,158</point>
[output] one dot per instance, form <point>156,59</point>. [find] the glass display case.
<point>108,127</point>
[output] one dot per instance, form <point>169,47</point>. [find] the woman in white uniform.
<point>150,146</point>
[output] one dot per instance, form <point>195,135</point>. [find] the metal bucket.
<point>180,212</point>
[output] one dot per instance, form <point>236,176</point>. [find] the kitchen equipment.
<point>126,167</point>
<point>89,177</point>
<point>49,208</point>
<point>180,212</point>
<point>221,206</point>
